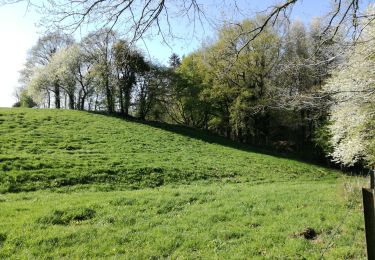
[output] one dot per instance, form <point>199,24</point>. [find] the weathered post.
<point>369,214</point>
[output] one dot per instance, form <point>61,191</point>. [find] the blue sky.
<point>19,33</point>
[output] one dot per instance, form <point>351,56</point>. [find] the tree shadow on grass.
<point>212,138</point>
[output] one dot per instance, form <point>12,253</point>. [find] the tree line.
<point>274,91</point>
<point>102,72</point>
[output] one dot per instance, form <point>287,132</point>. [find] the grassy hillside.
<point>78,184</point>
<point>48,148</point>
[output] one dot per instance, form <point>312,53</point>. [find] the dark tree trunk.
<point>57,95</point>
<point>239,135</point>
<point>79,99</point>
<point>127,100</point>
<point>82,103</point>
<point>206,120</point>
<point>303,127</point>
<point>71,100</point>
<point>142,104</point>
<point>128,85</point>
<point>82,93</point>
<point>110,106</point>
<point>121,90</point>
<point>96,102</point>
<point>228,132</point>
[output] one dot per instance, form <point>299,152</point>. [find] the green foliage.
<point>190,107</point>
<point>219,88</point>
<point>323,136</point>
<point>17,104</point>
<point>174,61</point>
<point>130,66</point>
<point>25,101</point>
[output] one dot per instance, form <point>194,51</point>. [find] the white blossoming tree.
<point>352,114</point>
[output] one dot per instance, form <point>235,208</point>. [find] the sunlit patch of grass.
<point>81,185</point>
<point>227,221</point>
<point>64,148</point>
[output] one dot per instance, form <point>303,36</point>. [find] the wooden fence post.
<point>369,214</point>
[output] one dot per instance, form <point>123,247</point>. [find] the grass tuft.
<point>67,216</point>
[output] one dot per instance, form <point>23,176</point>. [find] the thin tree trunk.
<point>126,101</point>
<point>57,95</point>
<point>82,105</point>
<point>122,107</point>
<point>303,127</point>
<point>96,102</point>
<point>110,106</point>
<point>48,99</point>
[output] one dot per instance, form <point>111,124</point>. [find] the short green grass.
<point>81,185</point>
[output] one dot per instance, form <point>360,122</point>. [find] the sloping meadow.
<point>50,148</point>
<point>82,185</point>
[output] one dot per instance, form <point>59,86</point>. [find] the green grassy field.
<point>82,185</point>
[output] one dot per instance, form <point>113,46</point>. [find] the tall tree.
<point>41,55</point>
<point>150,91</point>
<point>128,63</point>
<point>242,81</point>
<point>174,61</point>
<point>186,104</point>
<point>98,46</point>
<point>353,112</point>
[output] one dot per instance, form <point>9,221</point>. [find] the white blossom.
<point>353,89</point>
